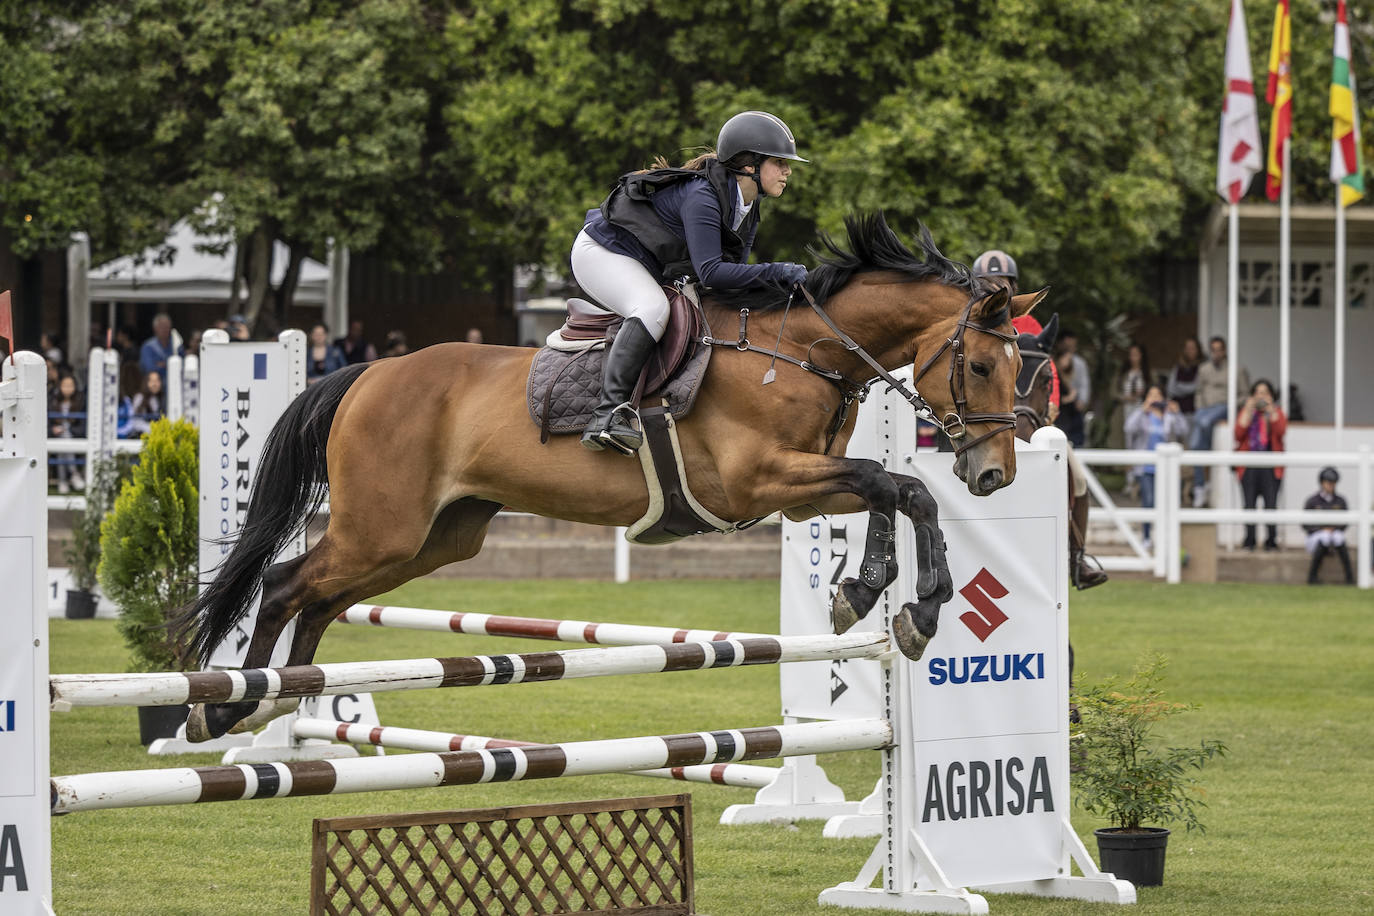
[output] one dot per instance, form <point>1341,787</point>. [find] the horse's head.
<point>980,365</point>
<point>1036,381</point>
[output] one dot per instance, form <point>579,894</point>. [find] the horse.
<point>419,452</point>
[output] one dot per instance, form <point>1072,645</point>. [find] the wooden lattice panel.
<point>629,855</point>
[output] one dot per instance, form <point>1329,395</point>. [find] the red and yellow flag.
<point>1280,95</point>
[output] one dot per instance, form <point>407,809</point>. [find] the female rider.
<point>662,225</point>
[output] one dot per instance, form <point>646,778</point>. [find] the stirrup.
<point>607,439</point>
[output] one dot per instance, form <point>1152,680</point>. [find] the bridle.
<point>954,424</point>
<point>1043,363</point>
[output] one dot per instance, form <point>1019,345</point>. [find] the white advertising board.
<point>244,389</point>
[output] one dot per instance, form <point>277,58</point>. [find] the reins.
<point>954,424</point>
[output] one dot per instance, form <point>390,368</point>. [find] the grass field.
<point>1285,676</point>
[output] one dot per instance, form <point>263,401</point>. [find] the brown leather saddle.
<point>565,378</point>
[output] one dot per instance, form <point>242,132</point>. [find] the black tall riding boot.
<point>611,424</point>
<point>1312,569</point>
<point>1344,555</point>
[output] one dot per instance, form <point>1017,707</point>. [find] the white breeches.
<point>1080,477</point>
<point>1325,537</point>
<point>620,283</point>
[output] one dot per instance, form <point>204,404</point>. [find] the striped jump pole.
<point>186,785</point>
<point>415,739</point>
<point>578,631</point>
<point>171,689</point>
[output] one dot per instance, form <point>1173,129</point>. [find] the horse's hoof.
<point>213,720</point>
<point>266,711</point>
<point>842,613</point>
<point>910,641</point>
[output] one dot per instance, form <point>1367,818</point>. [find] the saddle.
<point>565,384</point>
<point>565,379</point>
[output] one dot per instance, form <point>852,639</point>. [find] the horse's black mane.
<point>872,246</point>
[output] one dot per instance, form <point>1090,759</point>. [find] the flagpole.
<point>1232,310</point>
<point>1286,273</point>
<point>1340,318</point>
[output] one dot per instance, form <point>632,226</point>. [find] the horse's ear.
<point>1047,336</point>
<point>1022,304</point>
<point>991,304</point>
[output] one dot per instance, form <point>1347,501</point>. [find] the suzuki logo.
<point>986,616</point>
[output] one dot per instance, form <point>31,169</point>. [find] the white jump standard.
<point>186,785</point>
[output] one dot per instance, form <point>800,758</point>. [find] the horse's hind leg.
<point>914,625</point>
<point>457,534</point>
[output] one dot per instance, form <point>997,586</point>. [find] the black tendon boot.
<point>611,424</point>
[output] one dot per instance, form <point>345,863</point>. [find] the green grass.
<point>1285,676</point>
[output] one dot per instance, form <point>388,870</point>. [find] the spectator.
<point>66,399</point>
<point>1071,402</point>
<point>1259,428</point>
<point>126,345</point>
<point>156,349</point>
<point>1210,400</point>
<point>193,342</point>
<point>148,405</point>
<point>1068,341</point>
<point>1134,379</point>
<point>321,356</point>
<point>130,386</point>
<point>1182,384</point>
<point>474,335</point>
<point>51,351</point>
<point>238,328</point>
<point>396,344</point>
<point>1324,539</point>
<point>354,347</point>
<point>1153,421</point>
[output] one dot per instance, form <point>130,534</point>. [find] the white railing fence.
<point>1168,515</point>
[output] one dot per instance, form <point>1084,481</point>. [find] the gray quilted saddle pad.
<point>563,388</point>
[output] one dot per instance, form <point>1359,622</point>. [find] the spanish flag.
<point>1280,95</point>
<point>1347,162</point>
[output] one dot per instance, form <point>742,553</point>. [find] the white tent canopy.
<point>193,274</point>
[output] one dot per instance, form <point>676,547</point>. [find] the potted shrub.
<point>148,563</point>
<point>1127,776</point>
<point>83,553</point>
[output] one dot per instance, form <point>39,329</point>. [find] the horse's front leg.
<point>915,624</point>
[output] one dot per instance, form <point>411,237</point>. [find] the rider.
<point>662,225</point>
<point>999,269</point>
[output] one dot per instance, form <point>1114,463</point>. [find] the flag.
<point>1280,95</point>
<point>1238,155</point>
<point>1347,162</point>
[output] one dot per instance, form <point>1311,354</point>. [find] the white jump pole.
<point>230,686</point>
<point>573,631</point>
<point>415,739</point>
<point>186,785</point>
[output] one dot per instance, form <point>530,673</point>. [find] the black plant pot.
<point>80,604</point>
<point>1135,857</point>
<point>160,722</point>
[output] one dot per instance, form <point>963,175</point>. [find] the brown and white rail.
<point>189,785</point>
<point>415,739</point>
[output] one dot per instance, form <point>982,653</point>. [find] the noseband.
<point>955,423</point>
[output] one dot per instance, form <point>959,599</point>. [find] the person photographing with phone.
<point>1155,421</point>
<point>1260,427</point>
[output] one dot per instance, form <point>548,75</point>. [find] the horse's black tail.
<point>287,492</point>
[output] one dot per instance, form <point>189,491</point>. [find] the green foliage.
<point>1124,775</point>
<point>149,544</point>
<point>83,553</point>
<point>1078,134</point>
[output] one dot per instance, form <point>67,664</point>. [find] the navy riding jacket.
<point>690,209</point>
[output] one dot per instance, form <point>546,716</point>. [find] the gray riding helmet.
<point>757,132</point>
<point>995,263</point>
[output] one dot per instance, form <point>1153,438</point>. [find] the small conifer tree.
<point>149,561</point>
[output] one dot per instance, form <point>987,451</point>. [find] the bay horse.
<point>421,451</point>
